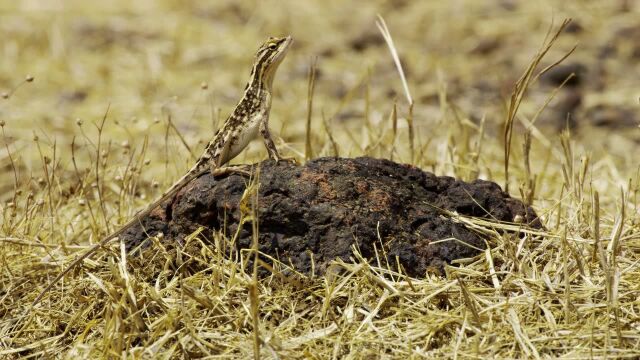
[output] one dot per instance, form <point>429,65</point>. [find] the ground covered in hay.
<point>104,105</point>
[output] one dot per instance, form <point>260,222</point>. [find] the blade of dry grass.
<point>520,90</point>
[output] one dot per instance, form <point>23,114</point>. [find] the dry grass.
<point>168,73</point>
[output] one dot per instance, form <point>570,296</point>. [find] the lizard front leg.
<point>268,142</point>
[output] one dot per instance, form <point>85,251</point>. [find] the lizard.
<point>249,117</point>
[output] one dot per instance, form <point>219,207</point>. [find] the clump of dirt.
<point>613,117</point>
<point>572,75</point>
<point>326,207</point>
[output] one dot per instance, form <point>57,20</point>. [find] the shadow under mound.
<point>319,211</point>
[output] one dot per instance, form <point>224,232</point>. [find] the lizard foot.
<point>287,159</point>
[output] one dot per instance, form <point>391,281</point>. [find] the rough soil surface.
<point>331,204</point>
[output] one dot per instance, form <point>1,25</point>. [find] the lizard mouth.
<point>284,47</point>
<point>288,41</point>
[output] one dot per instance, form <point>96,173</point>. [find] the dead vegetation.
<point>102,111</point>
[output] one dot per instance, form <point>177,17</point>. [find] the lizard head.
<point>268,58</point>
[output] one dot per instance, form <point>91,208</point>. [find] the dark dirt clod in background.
<point>330,204</point>
<point>573,73</point>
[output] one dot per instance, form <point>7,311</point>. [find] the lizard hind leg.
<point>229,170</point>
<point>216,163</point>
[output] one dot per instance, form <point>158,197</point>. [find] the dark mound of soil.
<point>329,205</point>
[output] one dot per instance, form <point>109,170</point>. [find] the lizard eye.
<point>273,46</point>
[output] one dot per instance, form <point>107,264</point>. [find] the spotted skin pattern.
<point>250,117</point>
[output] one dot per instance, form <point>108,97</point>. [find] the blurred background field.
<point>169,72</point>
<point>147,60</point>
